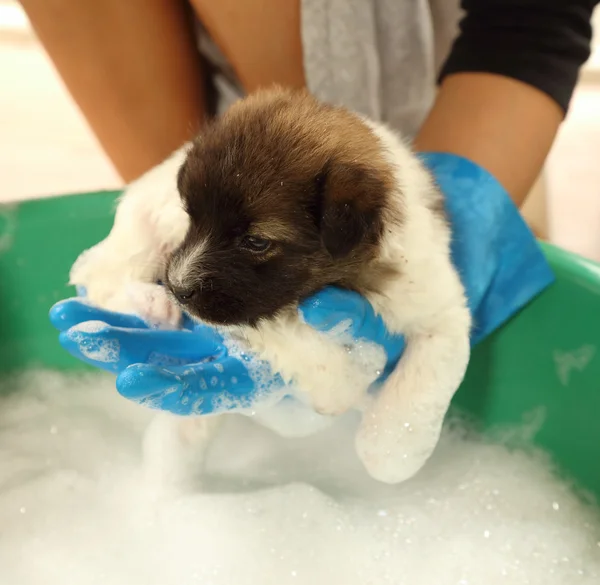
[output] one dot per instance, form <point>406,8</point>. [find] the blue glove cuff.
<point>499,260</point>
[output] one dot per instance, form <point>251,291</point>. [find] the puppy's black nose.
<point>183,295</point>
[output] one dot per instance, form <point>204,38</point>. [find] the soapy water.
<point>74,507</point>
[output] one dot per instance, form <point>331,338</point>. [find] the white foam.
<point>105,350</point>
<point>368,360</point>
<point>89,326</point>
<point>268,390</point>
<point>73,508</point>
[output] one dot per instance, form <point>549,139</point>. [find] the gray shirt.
<point>377,57</point>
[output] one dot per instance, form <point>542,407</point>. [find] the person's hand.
<point>191,371</point>
<point>187,371</point>
<point>500,262</point>
<point>338,309</point>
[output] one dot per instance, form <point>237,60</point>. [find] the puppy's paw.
<point>109,283</point>
<point>152,303</point>
<point>398,434</point>
<point>393,453</point>
<point>101,274</point>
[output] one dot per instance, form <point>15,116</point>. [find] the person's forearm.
<point>133,69</point>
<point>503,125</point>
<point>507,83</point>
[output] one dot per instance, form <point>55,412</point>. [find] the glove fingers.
<point>190,389</point>
<point>163,389</point>
<point>333,308</point>
<point>70,312</point>
<point>103,353</point>
<point>337,311</point>
<point>153,387</point>
<point>140,381</point>
<point>226,374</point>
<point>114,348</point>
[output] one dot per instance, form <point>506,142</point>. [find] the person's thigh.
<point>133,68</point>
<point>260,38</point>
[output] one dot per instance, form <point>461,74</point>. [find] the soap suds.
<point>103,350</point>
<point>74,509</point>
<point>90,326</point>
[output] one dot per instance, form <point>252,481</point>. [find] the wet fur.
<point>347,204</point>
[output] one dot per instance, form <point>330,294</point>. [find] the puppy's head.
<point>285,195</point>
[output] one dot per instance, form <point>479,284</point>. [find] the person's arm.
<point>507,84</point>
<point>132,67</point>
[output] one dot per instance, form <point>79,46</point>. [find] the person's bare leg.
<point>133,69</point>
<point>260,38</point>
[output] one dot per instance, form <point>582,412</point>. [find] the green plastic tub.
<point>542,368</point>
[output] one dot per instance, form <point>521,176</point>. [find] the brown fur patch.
<point>310,177</point>
<point>294,117</point>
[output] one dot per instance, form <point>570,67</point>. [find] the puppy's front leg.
<point>149,223</point>
<point>174,450</point>
<point>402,426</point>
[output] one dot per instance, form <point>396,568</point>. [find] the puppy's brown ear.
<point>352,200</point>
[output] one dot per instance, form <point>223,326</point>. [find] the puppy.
<point>278,198</point>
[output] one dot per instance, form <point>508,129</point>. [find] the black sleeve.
<point>543,43</point>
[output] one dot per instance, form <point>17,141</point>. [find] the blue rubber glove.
<point>500,264</point>
<point>187,371</point>
<point>191,371</point>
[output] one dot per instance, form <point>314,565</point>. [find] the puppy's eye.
<point>255,244</point>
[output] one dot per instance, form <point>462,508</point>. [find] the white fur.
<point>183,264</point>
<point>149,224</point>
<point>402,423</point>
<point>428,305</point>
